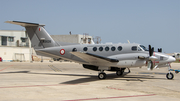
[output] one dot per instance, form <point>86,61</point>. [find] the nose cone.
<point>171,59</point>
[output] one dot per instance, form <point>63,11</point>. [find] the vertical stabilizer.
<point>38,35</point>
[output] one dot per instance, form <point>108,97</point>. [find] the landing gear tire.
<point>119,72</point>
<point>169,76</point>
<point>102,76</point>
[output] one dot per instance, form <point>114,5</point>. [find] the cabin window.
<point>100,48</point>
<point>134,48</point>
<point>85,48</point>
<point>95,49</point>
<point>107,48</point>
<point>119,48</point>
<point>113,48</point>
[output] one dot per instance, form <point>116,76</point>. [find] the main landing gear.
<point>102,74</point>
<point>120,72</point>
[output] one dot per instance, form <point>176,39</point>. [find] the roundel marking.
<point>62,51</point>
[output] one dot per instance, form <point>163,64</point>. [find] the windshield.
<point>144,48</point>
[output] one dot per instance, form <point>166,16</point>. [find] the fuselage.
<point>128,54</point>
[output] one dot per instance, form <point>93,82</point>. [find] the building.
<point>14,45</point>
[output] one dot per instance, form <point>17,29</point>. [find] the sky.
<point>147,22</point>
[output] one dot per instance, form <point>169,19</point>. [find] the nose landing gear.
<point>169,76</point>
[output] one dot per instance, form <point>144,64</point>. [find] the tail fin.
<point>37,34</point>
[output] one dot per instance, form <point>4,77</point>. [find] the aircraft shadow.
<point>91,78</point>
<point>152,73</point>
<point>113,76</point>
<point>28,72</point>
<point>15,72</point>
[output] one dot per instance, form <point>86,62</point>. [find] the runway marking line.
<point>40,85</point>
<point>6,68</point>
<point>111,97</point>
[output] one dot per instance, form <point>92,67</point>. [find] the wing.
<point>94,59</point>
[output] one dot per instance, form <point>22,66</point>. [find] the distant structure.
<point>73,38</point>
<point>14,45</point>
<point>97,40</point>
<point>176,55</point>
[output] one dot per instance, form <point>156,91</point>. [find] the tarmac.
<point>68,81</point>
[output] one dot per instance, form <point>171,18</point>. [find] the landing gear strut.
<point>129,71</point>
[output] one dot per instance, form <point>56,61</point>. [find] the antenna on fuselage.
<point>128,41</point>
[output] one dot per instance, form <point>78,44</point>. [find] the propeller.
<point>151,50</point>
<point>160,50</point>
<point>152,58</point>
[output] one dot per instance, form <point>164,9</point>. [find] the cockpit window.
<point>139,49</point>
<point>144,48</point>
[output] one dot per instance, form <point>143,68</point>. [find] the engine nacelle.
<point>91,67</point>
<point>96,68</point>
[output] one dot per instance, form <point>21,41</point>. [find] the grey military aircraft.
<point>100,57</point>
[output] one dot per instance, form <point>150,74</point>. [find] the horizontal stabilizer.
<point>24,24</point>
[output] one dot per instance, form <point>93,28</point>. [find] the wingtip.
<point>7,21</point>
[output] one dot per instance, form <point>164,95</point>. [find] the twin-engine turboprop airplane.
<point>100,57</point>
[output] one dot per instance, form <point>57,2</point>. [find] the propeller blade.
<point>150,50</point>
<point>150,65</point>
<point>160,50</point>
